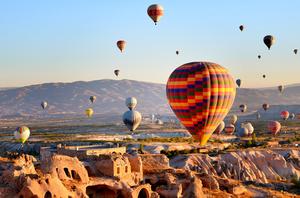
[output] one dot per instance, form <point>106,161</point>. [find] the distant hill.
<point>73,98</point>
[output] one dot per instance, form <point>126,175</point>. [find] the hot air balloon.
<point>284,115</point>
<point>243,132</point>
<point>121,45</point>
<point>220,128</point>
<point>265,106</point>
<point>93,99</point>
<point>249,127</point>
<point>233,118</point>
<point>200,94</point>
<point>264,76</point>
<point>280,88</point>
<point>132,119</point>
<point>243,108</point>
<point>44,104</point>
<point>258,116</point>
<point>269,40</point>
<point>238,82</point>
<point>298,116</point>
<point>22,134</point>
<point>159,122</point>
<point>155,12</point>
<point>241,28</point>
<point>177,52</point>
<point>229,129</point>
<point>292,116</point>
<point>259,56</point>
<point>117,72</point>
<point>274,127</point>
<point>89,112</point>
<point>131,102</point>
<point>295,51</point>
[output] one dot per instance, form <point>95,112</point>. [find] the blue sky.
<point>71,40</point>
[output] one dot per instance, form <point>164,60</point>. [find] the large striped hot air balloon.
<point>155,12</point>
<point>274,127</point>
<point>201,94</point>
<point>22,134</point>
<point>284,115</point>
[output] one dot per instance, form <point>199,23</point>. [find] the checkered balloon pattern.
<point>201,94</point>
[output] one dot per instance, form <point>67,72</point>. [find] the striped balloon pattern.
<point>201,94</point>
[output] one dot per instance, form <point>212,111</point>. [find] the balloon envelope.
<point>233,118</point>
<point>117,72</point>
<point>280,88</point>
<point>292,116</point>
<point>265,106</point>
<point>284,115</point>
<point>274,127</point>
<point>229,129</point>
<point>44,104</point>
<point>132,119</point>
<point>121,45</point>
<point>131,102</point>
<point>89,112</point>
<point>269,40</point>
<point>249,127</point>
<point>238,82</point>
<point>22,134</point>
<point>241,28</point>
<point>200,94</point>
<point>155,12</point>
<point>93,98</point>
<point>259,56</point>
<point>295,51</point>
<point>243,108</point>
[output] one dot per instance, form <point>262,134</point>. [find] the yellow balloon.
<point>89,112</point>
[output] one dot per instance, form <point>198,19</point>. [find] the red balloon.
<point>274,127</point>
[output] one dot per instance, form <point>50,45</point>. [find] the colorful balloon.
<point>131,102</point>
<point>132,119</point>
<point>229,129</point>
<point>177,52</point>
<point>44,104</point>
<point>265,106</point>
<point>243,132</point>
<point>238,82</point>
<point>259,56</point>
<point>274,127</point>
<point>200,94</point>
<point>269,40</point>
<point>121,45</point>
<point>243,108</point>
<point>93,99</point>
<point>155,12</point>
<point>117,72</point>
<point>298,116</point>
<point>89,112</point>
<point>284,115</point>
<point>220,128</point>
<point>22,134</point>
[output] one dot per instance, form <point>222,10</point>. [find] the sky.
<point>75,40</point>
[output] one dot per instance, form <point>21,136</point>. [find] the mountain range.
<point>73,98</point>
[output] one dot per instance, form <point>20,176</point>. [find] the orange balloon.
<point>121,45</point>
